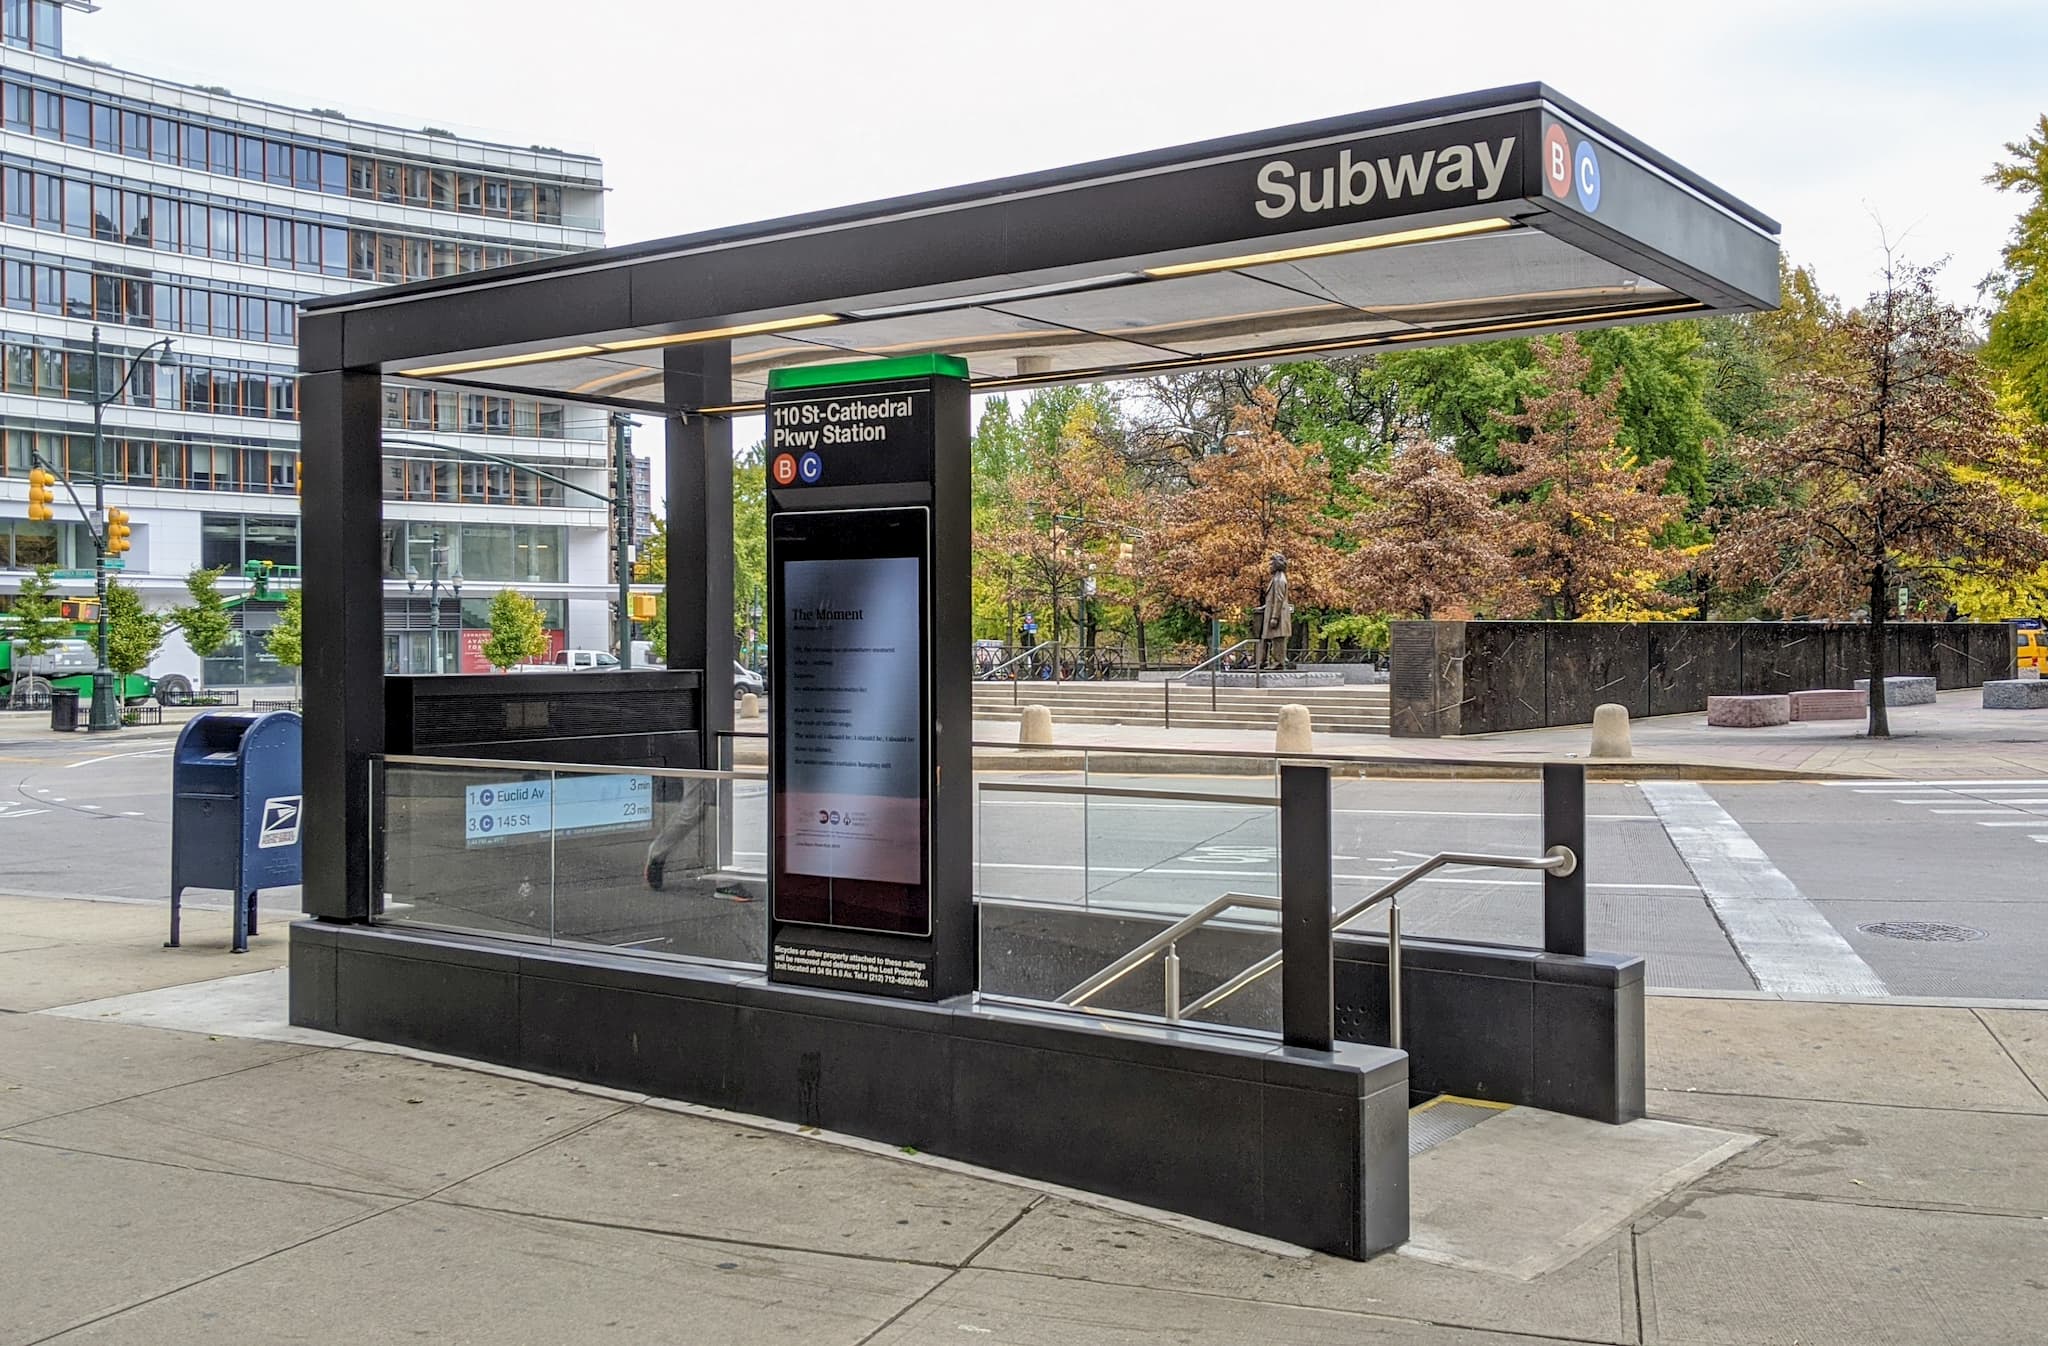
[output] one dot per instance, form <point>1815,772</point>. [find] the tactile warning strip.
<point>1431,1124</point>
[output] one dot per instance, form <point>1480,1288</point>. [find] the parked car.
<point>574,661</point>
<point>746,680</point>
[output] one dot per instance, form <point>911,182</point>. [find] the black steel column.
<point>1307,1018</point>
<point>342,510</point>
<point>700,529</point>
<point>1564,824</point>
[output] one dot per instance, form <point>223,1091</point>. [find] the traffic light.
<point>640,607</point>
<point>298,476</point>
<point>40,496</point>
<point>117,532</point>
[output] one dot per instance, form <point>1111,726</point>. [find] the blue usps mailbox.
<point>235,807</point>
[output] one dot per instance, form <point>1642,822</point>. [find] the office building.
<point>153,209</point>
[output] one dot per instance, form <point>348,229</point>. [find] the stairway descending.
<point>1357,709</point>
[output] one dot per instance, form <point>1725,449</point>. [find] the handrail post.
<point>1394,973</point>
<point>1307,1017</point>
<point>1564,824</point>
<point>1172,963</point>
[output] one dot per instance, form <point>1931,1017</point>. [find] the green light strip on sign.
<point>868,371</point>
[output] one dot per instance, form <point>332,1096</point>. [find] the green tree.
<point>749,532</point>
<point>205,619</point>
<point>286,640</point>
<point>1663,402</point>
<point>2018,345</point>
<point>35,613</point>
<point>133,635</point>
<point>650,566</point>
<point>519,634</point>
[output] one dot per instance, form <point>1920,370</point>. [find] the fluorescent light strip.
<point>500,362</point>
<point>720,333</point>
<point>1462,229</point>
<point>641,343</point>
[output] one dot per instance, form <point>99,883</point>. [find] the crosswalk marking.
<point>1779,934</point>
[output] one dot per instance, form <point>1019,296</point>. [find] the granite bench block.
<point>1830,705</point>
<point>1748,712</point>
<point>1903,691</point>
<point>2016,694</point>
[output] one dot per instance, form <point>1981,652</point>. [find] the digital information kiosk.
<point>870,753</point>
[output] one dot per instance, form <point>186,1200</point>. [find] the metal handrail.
<point>1559,860</point>
<point>1165,939</point>
<point>1217,657</point>
<point>1020,658</point>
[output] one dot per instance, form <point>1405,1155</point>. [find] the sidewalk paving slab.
<point>1854,1052</point>
<point>729,1180</point>
<point>2024,1036</point>
<point>438,1273</point>
<point>1025,1310</point>
<point>356,1120</point>
<point>85,1235</point>
<point>50,1066</point>
<point>1729,1269</point>
<point>1590,1299</point>
<point>1935,1158</point>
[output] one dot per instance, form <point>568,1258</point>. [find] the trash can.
<point>235,807</point>
<point>64,710</point>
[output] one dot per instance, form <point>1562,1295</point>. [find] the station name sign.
<point>841,438</point>
<point>1357,176</point>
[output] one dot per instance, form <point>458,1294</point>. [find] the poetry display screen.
<point>851,709</point>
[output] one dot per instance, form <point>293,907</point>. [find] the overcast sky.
<point>1832,117</point>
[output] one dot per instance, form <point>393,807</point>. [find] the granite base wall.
<point>1452,678</point>
<point>1308,1147</point>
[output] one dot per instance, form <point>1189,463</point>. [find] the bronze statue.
<point>1276,616</point>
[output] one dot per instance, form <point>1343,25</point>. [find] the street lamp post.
<point>104,713</point>
<point>622,502</point>
<point>412,584</point>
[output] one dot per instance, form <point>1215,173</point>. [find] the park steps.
<point>1337,710</point>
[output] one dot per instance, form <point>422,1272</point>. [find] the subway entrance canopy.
<point>1507,212</point>
<point>1489,214</point>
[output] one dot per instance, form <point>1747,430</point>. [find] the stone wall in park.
<point>1454,678</point>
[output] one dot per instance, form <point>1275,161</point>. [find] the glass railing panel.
<point>465,848</point>
<point>1164,833</point>
<point>645,862</point>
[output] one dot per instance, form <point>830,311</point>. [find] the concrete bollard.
<point>1610,732</point>
<point>1036,726</point>
<point>750,707</point>
<point>1293,734</point>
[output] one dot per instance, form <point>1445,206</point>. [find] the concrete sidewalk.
<point>233,1179</point>
<point>1953,739</point>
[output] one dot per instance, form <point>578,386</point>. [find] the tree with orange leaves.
<point>1263,494</point>
<point>1586,518</point>
<point>1892,465</point>
<point>1432,537</point>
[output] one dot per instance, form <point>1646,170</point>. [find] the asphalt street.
<point>1888,888</point>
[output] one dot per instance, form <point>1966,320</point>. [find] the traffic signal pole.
<point>622,504</point>
<point>104,716</point>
